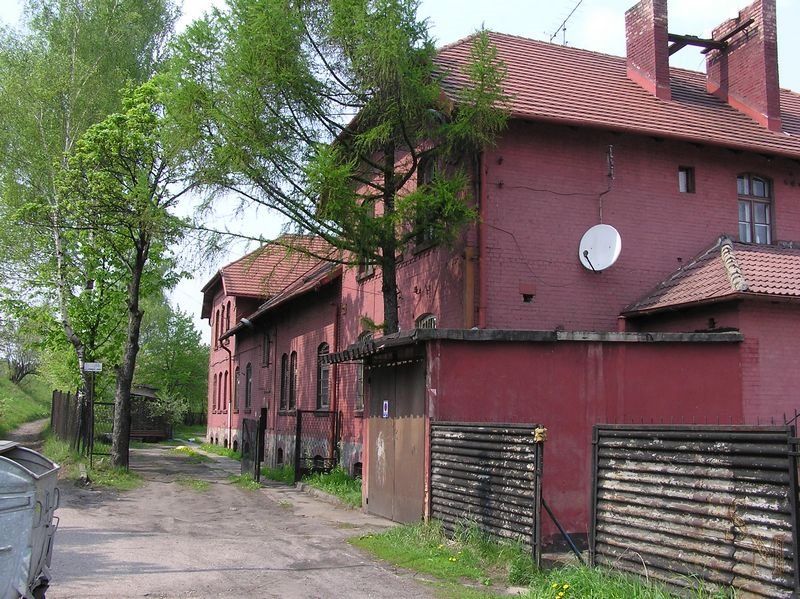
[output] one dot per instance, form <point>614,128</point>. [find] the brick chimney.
<point>647,46</point>
<point>745,74</point>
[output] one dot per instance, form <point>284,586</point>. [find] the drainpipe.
<point>482,214</point>
<point>229,405</point>
<point>335,367</point>
<point>275,396</point>
<point>335,378</point>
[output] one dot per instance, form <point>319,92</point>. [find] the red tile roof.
<point>269,270</point>
<point>324,273</point>
<point>727,270</point>
<point>548,82</point>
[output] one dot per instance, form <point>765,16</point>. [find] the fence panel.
<point>687,503</point>
<point>63,416</point>
<point>316,449</point>
<point>490,474</point>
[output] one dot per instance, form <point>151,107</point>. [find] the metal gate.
<point>252,437</point>
<point>489,474</point>
<point>316,446</point>
<point>101,418</point>
<point>687,503</point>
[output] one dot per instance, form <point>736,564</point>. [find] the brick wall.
<point>647,46</point>
<point>543,191</point>
<point>746,73</point>
<point>770,360</point>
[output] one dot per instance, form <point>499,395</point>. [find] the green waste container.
<point>28,498</point>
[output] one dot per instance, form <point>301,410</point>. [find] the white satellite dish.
<point>600,247</point>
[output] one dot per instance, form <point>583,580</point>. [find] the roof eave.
<point>739,147</point>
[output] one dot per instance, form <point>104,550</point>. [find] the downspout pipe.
<point>229,405</point>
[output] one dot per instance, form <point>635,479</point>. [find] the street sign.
<point>93,367</point>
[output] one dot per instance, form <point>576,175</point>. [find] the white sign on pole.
<point>93,367</point>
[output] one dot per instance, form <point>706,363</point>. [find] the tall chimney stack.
<point>648,46</point>
<point>745,74</point>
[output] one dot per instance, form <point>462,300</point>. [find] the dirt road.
<point>168,540</point>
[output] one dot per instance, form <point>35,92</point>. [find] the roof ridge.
<point>732,266</point>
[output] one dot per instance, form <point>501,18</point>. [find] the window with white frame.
<point>755,208</point>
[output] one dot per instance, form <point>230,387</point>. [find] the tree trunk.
<point>391,322</point>
<point>120,443</point>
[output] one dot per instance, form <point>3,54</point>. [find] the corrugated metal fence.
<point>687,503</point>
<point>489,474</point>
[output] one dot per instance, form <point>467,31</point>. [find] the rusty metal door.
<point>397,441</point>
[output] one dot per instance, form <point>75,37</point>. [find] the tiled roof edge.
<point>732,267</point>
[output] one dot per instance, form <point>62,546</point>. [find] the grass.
<point>339,484</point>
<point>102,473</point>
<point>186,431</point>
<point>194,456</point>
<point>194,484</point>
<point>244,481</point>
<point>472,566</point>
<point>223,451</point>
<point>30,400</point>
<point>282,474</point>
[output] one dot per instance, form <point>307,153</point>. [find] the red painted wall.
<point>570,386</point>
<point>770,360</point>
<point>543,191</point>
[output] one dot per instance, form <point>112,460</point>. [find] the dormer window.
<point>755,208</point>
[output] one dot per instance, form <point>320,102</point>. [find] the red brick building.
<point>697,319</point>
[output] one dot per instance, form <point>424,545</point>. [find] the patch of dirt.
<point>30,434</point>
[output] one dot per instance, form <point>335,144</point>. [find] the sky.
<point>597,25</point>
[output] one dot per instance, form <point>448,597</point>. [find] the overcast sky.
<point>595,25</point>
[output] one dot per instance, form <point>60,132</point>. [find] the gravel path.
<point>168,540</point>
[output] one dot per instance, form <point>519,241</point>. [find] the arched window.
<point>323,378</point>
<point>216,330</point>
<point>248,386</point>
<point>284,403</point>
<point>755,208</point>
<point>214,394</point>
<point>362,338</point>
<point>225,392</point>
<point>293,381</point>
<point>426,321</point>
<point>236,390</point>
<point>228,318</point>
